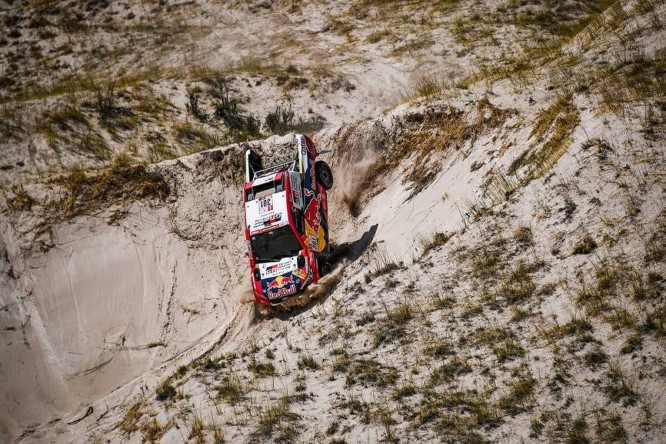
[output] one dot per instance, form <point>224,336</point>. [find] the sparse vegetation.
<point>152,431</point>
<point>381,270</point>
<point>619,387</point>
<point>165,391</point>
<point>585,246</point>
<point>230,389</point>
<point>283,120</point>
<point>523,235</point>
<point>278,418</point>
<point>559,120</point>
<point>369,371</point>
<point>542,293</point>
<point>449,370</point>
<point>86,192</point>
<point>436,241</point>
<point>18,199</point>
<point>130,421</point>
<point>262,369</point>
<point>426,87</point>
<point>307,362</point>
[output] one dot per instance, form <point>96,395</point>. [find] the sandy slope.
<point>507,330</point>
<point>196,261</point>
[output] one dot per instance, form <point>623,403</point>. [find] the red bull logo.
<point>282,292</point>
<point>280,282</point>
<point>312,215</point>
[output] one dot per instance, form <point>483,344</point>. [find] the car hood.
<point>283,278</point>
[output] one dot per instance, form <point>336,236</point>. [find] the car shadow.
<point>351,251</point>
<point>341,255</point>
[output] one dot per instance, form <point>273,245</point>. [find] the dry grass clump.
<point>283,120</point>
<point>595,357</point>
<point>439,350</point>
<point>382,267</point>
<point>61,119</point>
<point>69,126</point>
<point>393,326</point>
<point>501,342</point>
<point>130,422</point>
<point>194,138</point>
<point>519,285</point>
<point>450,370</point>
<point>18,199</point>
<point>426,87</point>
<point>655,247</point>
<point>197,430</point>
<point>434,242</point>
<point>307,362</point>
<point>11,125</point>
<point>521,390</point>
<point>620,387</point>
<point>230,389</point>
<point>459,411</point>
<point>261,369</point>
<point>559,121</point>
<point>594,297</point>
<point>432,132</point>
<point>487,260</point>
<point>378,35</point>
<point>85,192</point>
<point>633,79</point>
<point>585,246</point>
<point>370,372</point>
<point>523,235</point>
<point>441,129</point>
<point>165,391</point>
<point>278,419</point>
<point>152,431</point>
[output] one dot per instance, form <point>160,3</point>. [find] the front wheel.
<point>324,268</point>
<point>324,174</point>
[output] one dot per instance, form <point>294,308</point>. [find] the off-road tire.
<point>324,174</point>
<point>324,267</point>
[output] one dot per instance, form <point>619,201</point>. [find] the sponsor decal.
<point>279,282</point>
<point>282,292</point>
<point>284,266</point>
<point>312,214</point>
<point>268,220</point>
<point>312,243</point>
<point>311,171</point>
<point>313,228</point>
<point>296,189</point>
<point>268,212</point>
<point>265,204</point>
<point>301,274</point>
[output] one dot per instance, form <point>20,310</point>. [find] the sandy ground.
<point>94,323</point>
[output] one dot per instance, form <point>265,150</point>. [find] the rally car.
<point>286,222</point>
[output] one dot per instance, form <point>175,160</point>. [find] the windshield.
<point>275,245</point>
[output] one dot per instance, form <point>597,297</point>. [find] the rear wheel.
<point>324,174</point>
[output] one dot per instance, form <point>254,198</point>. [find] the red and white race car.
<point>286,222</point>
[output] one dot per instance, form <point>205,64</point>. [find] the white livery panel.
<point>267,213</point>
